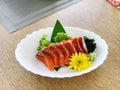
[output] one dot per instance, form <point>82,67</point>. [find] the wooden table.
<point>95,15</point>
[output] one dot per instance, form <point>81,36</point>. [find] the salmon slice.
<point>55,55</point>
<point>40,56</point>
<point>76,45</point>
<point>64,52</point>
<point>82,45</point>
<point>46,60</point>
<point>60,55</point>
<point>69,47</point>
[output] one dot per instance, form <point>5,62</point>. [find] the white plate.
<point>26,50</point>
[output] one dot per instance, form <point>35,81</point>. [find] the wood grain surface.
<point>95,15</point>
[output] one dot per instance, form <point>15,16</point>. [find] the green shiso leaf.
<point>57,29</point>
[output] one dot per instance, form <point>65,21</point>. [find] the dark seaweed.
<point>90,43</point>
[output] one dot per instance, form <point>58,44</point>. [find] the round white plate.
<point>26,50</point>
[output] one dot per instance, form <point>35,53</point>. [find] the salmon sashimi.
<point>76,45</point>
<point>58,54</point>
<point>46,60</point>
<point>55,54</point>
<point>64,52</point>
<point>82,45</point>
<point>69,47</point>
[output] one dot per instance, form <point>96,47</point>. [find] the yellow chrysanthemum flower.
<point>80,62</point>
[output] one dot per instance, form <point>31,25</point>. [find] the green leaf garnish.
<point>92,56</point>
<point>61,36</point>
<point>57,28</point>
<point>43,42</point>
<point>57,68</point>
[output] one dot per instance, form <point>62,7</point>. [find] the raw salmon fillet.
<point>58,54</point>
